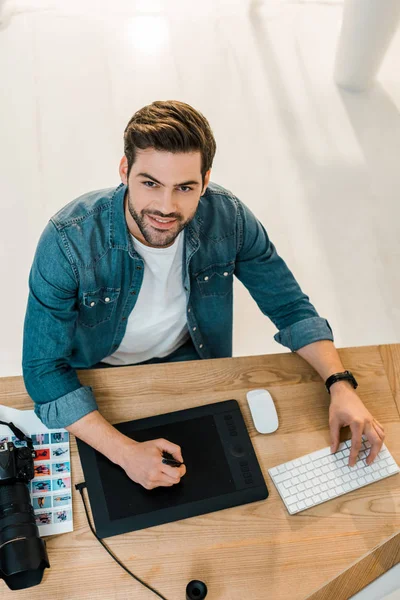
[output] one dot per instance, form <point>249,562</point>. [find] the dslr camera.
<point>23,555</point>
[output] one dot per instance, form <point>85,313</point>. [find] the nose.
<point>166,204</point>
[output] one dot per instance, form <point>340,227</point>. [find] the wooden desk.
<point>255,551</point>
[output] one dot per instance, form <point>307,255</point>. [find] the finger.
<point>335,435</point>
<point>380,424</point>
<point>356,436</point>
<point>172,473</point>
<point>376,443</point>
<point>379,429</point>
<point>173,449</point>
<point>159,483</point>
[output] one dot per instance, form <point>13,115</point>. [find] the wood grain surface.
<point>258,550</point>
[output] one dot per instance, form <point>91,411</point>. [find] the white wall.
<point>318,167</point>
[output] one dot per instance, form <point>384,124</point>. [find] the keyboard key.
<point>320,453</point>
<point>324,496</point>
<point>393,469</point>
<point>301,505</point>
<point>308,502</point>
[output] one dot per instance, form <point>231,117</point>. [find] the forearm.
<point>96,431</point>
<point>325,359</point>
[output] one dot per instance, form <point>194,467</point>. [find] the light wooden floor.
<point>318,166</point>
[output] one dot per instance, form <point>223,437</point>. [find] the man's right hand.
<point>142,462</point>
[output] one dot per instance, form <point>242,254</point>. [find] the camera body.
<point>16,464</point>
<point>23,555</point>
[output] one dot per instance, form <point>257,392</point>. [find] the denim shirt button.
<point>206,278</point>
<point>106,299</point>
<point>92,303</point>
<point>194,328</point>
<point>201,345</point>
<point>226,274</point>
<point>188,309</point>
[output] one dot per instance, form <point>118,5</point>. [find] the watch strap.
<point>346,375</point>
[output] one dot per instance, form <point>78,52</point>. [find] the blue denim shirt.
<point>86,277</point>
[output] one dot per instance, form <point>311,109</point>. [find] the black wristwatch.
<point>340,377</point>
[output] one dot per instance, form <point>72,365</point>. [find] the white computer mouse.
<point>263,411</point>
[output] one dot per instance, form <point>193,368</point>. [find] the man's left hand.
<point>346,409</point>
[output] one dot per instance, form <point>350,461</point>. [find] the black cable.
<point>79,487</point>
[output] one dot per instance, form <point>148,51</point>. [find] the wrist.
<point>122,452</point>
<point>339,386</point>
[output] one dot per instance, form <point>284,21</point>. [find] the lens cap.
<point>196,590</point>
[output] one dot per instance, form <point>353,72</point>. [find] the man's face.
<point>163,193</point>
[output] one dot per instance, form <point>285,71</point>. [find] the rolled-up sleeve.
<point>49,327</point>
<point>273,286</point>
<point>304,332</point>
<point>66,410</point>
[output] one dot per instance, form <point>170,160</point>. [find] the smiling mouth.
<point>160,223</point>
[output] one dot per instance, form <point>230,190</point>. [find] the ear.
<point>123,170</point>
<point>206,180</point>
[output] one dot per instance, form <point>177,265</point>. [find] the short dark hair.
<point>171,126</point>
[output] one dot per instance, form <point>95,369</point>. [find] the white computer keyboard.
<point>321,475</point>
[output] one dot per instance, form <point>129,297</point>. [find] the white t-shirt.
<point>157,325</point>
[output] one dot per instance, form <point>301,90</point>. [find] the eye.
<point>188,189</point>
<point>151,183</point>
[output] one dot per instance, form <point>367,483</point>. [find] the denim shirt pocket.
<point>216,280</point>
<point>97,306</point>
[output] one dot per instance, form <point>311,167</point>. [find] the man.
<point>144,272</point>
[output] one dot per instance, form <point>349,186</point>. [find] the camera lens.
<point>23,555</point>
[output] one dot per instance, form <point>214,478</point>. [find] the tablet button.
<point>237,450</point>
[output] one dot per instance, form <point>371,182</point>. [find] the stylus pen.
<point>172,462</point>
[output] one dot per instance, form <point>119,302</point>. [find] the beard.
<point>158,238</point>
